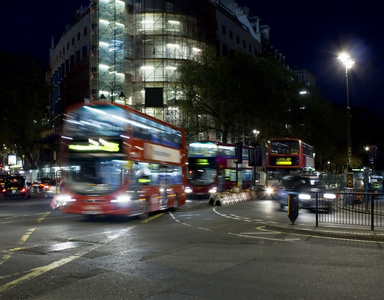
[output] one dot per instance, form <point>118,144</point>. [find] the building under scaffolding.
<point>136,49</point>
<point>128,51</point>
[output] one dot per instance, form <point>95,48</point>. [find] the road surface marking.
<point>263,238</point>
<point>35,272</point>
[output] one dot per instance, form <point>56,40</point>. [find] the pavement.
<point>305,227</point>
<point>331,231</point>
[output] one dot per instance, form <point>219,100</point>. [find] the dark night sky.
<point>29,25</point>
<point>310,33</point>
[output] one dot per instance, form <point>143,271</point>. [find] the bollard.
<point>293,207</point>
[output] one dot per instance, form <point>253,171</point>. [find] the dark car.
<point>16,187</point>
<point>306,188</point>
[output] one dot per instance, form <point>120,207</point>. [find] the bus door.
<point>164,185</point>
<point>138,182</point>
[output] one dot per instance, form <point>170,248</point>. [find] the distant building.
<point>306,78</point>
<point>70,68</point>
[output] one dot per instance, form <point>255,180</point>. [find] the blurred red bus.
<point>290,155</point>
<point>212,168</point>
<point>119,161</point>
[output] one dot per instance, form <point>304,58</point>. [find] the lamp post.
<point>255,132</point>
<point>113,90</point>
<point>347,62</point>
<point>255,178</point>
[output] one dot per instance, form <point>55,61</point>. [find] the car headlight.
<point>121,199</point>
<point>329,196</point>
<point>269,190</point>
<point>188,190</point>
<point>213,190</point>
<point>304,197</point>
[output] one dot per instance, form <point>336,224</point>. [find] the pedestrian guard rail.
<point>352,208</point>
<point>346,208</point>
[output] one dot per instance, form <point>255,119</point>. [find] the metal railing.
<point>351,208</point>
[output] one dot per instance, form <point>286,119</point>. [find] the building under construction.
<point>128,51</point>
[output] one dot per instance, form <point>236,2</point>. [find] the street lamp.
<point>255,154</point>
<point>113,94</point>
<point>255,132</point>
<point>347,62</point>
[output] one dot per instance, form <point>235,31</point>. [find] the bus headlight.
<point>213,190</point>
<point>62,199</point>
<point>188,190</point>
<point>121,199</point>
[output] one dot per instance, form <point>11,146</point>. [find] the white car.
<point>308,189</point>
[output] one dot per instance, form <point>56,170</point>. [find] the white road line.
<point>263,238</point>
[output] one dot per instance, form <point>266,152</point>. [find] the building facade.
<point>128,51</point>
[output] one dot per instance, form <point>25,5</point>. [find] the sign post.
<point>293,207</point>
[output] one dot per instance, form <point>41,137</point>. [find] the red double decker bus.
<point>119,161</point>
<point>287,155</point>
<point>212,168</point>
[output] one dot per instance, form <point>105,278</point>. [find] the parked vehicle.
<point>307,189</point>
<point>16,187</point>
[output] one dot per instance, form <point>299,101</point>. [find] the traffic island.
<point>232,196</point>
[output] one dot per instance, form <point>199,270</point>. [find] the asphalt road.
<point>196,252</point>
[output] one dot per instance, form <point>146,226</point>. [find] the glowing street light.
<point>348,63</point>
<point>256,132</point>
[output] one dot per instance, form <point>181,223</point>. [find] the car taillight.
<point>23,190</point>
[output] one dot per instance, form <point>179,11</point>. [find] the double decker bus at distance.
<point>287,155</point>
<point>117,160</point>
<point>212,168</point>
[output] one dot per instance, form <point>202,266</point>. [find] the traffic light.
<point>239,152</point>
